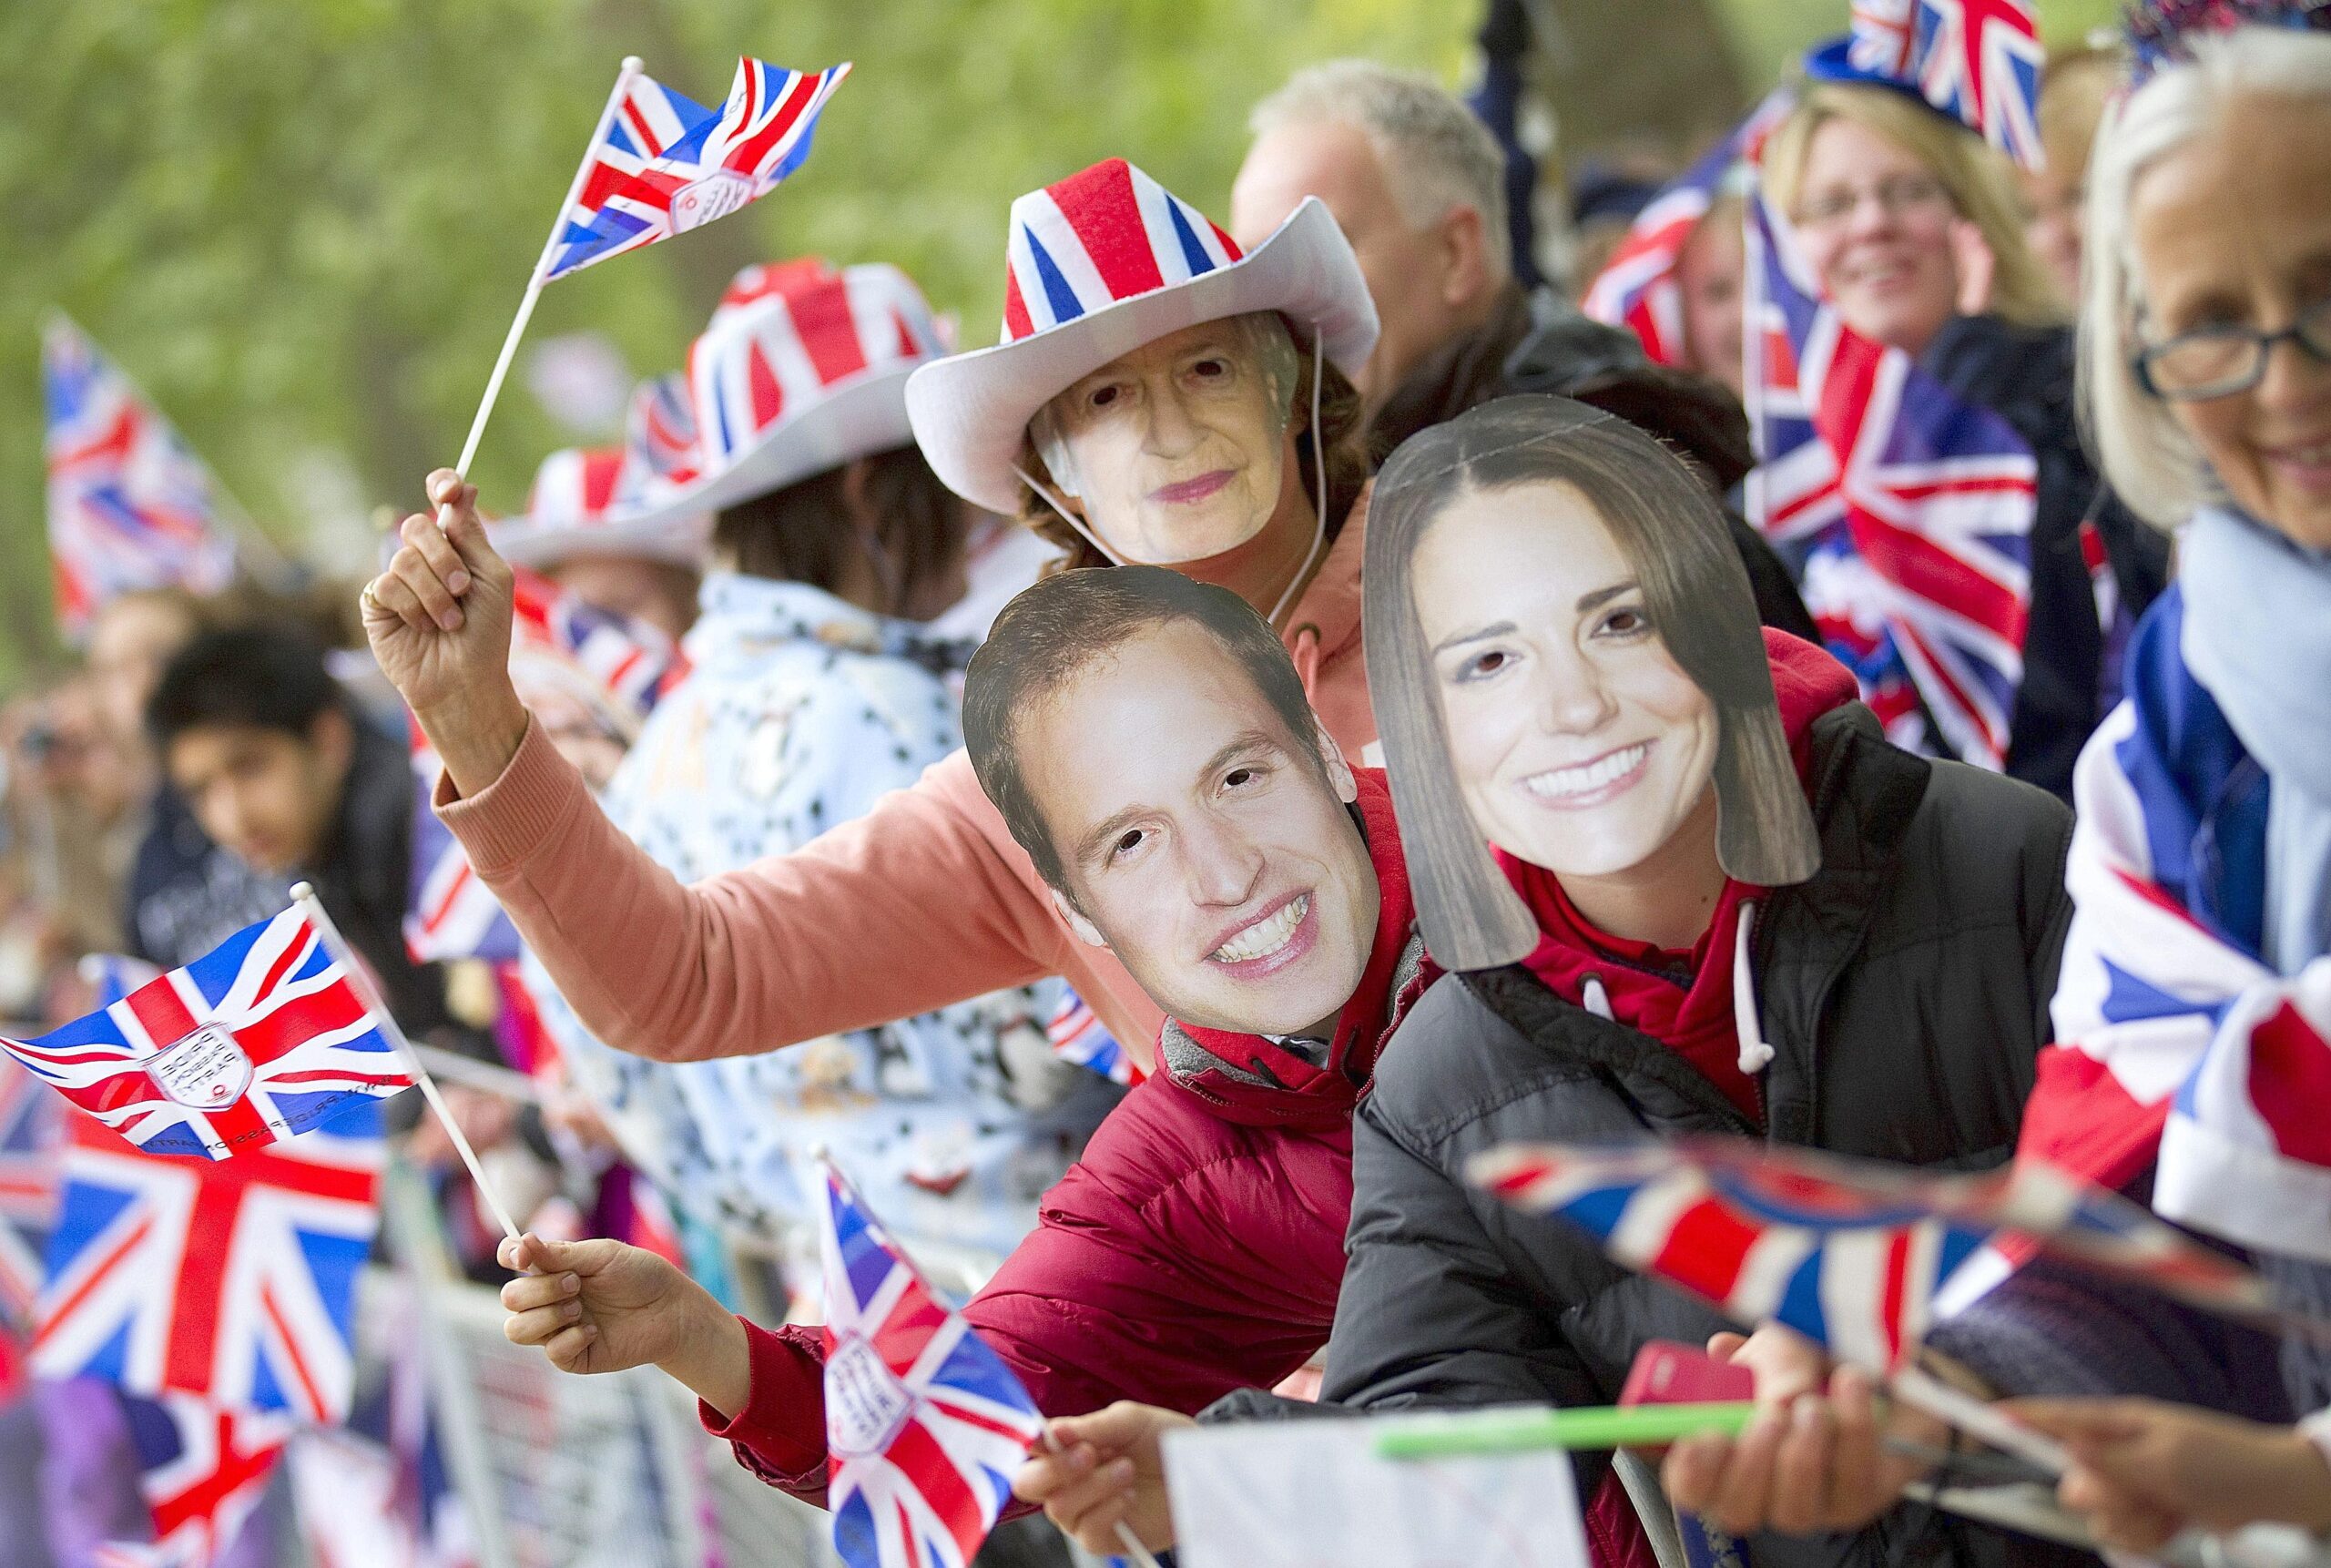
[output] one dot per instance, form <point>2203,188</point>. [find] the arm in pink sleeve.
<point>911,907</point>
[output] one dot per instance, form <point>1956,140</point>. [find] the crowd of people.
<point>1356,683</point>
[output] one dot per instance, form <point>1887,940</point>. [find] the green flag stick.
<point>1521,1430</point>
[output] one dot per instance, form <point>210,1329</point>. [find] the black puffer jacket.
<point>1904,991</point>
<point>2024,375</point>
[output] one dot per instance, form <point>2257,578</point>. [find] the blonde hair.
<point>1975,179</point>
<point>2147,455</point>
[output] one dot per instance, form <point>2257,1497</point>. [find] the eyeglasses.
<point>2219,362</point>
<point>1894,197</point>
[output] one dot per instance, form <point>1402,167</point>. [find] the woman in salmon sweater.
<point>1170,400</point>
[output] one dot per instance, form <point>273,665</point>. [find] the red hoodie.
<point>1197,1249</point>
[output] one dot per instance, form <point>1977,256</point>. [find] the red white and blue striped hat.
<point>595,500</point>
<point>585,501</point>
<point>802,368</point>
<point>1097,265</point>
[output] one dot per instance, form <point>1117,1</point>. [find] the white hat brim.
<point>970,412</point>
<point>863,416</point>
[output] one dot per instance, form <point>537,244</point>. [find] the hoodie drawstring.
<point>1755,1053</point>
<point>1595,1000</point>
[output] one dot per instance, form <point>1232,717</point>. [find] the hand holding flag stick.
<point>303,897</point>
<point>660,164</point>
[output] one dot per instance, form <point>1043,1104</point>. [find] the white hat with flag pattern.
<point>1097,265</point>
<point>802,368</point>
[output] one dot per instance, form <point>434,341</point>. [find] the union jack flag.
<point>1917,508</point>
<point>1881,36</point>
<point>1980,60</point>
<point>205,1469</point>
<point>924,1421</point>
<point>1639,287</point>
<point>1758,1237</point>
<point>130,505</point>
<point>259,1039</point>
<point>1078,1035</point>
<point>667,164</point>
<point>27,1188</point>
<point>449,912</point>
<point>234,1280</point>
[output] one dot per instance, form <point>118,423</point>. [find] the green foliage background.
<point>303,224</point>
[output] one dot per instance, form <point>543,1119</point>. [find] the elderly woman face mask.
<point>1180,450</point>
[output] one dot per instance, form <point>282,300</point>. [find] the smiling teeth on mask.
<point>1561,783</point>
<point>1265,937</point>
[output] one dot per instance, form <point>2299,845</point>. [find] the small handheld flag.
<point>664,164</point>
<point>259,1039</point>
<point>1758,1239</point>
<point>129,504</point>
<point>658,165</point>
<point>1761,1237</point>
<point>924,1421</point>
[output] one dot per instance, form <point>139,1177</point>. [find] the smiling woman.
<point>1684,886</point>
<point>1563,639</point>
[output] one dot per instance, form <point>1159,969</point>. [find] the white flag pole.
<point>631,67</point>
<point>304,896</point>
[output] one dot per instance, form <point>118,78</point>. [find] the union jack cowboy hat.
<point>1097,265</point>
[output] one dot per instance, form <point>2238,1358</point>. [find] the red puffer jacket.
<point>1197,1249</point>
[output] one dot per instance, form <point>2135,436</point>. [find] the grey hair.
<point>2150,461</point>
<point>1437,153</point>
<point>1695,592</point>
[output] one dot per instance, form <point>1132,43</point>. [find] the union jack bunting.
<point>667,164</point>
<point>1756,1238</point>
<point>924,1421</point>
<point>29,1156</point>
<point>233,1280</point>
<point>1980,60</point>
<point>1918,509</point>
<point>130,505</point>
<point>1078,1035</point>
<point>1107,234</point>
<point>204,1469</point>
<point>261,1038</point>
<point>1639,287</point>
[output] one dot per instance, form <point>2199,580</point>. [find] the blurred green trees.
<point>302,224</point>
